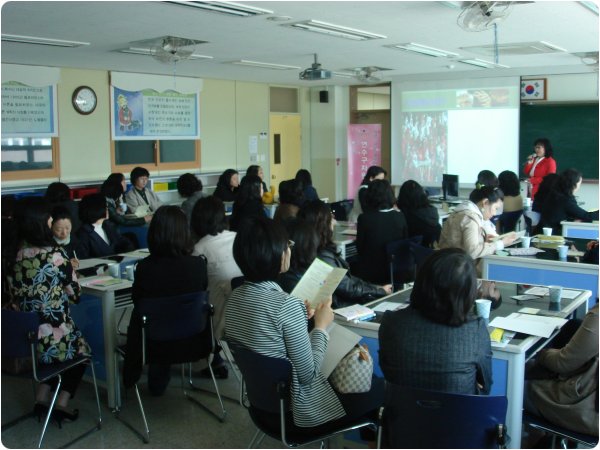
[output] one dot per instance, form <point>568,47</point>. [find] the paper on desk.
<point>341,341</point>
<point>528,324</point>
<point>518,235</point>
<point>318,282</point>
<point>389,306</point>
<point>529,310</point>
<point>101,281</point>
<point>92,262</point>
<point>542,291</point>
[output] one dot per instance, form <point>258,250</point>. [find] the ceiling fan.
<point>173,49</point>
<point>367,74</point>
<point>481,16</point>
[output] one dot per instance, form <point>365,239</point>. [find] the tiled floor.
<point>174,421</point>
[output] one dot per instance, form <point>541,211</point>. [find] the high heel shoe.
<point>62,414</point>
<point>40,410</point>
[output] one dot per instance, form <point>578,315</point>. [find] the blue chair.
<point>420,254</point>
<point>267,386</point>
<point>19,340</point>
<point>401,261</point>
<point>419,418</point>
<point>561,433</point>
<point>176,330</point>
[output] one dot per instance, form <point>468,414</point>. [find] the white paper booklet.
<point>341,341</point>
<point>318,283</point>
<point>526,323</point>
<point>355,312</point>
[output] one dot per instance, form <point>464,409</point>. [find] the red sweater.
<point>544,167</point>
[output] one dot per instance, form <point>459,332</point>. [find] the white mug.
<point>483,307</point>
<point>130,272</point>
<point>114,270</point>
<point>525,241</point>
<point>547,231</point>
<point>562,251</point>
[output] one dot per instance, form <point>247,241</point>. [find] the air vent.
<point>517,48</point>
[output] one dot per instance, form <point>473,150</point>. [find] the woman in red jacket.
<point>539,164</point>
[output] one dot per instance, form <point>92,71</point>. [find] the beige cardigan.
<point>570,397</point>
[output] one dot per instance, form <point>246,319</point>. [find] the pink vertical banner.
<point>364,151</point>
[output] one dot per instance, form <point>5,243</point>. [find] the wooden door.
<point>285,147</point>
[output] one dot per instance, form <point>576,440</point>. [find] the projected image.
<point>481,98</point>
<point>424,146</point>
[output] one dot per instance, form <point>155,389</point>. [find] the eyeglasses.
<point>291,244</point>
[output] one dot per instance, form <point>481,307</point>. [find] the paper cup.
<point>555,293</point>
<point>525,241</point>
<point>527,202</point>
<point>562,251</point>
<point>114,270</point>
<point>130,272</point>
<point>547,231</point>
<point>483,307</point>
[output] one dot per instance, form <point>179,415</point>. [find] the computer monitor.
<point>449,185</point>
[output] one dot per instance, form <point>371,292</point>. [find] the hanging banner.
<point>364,151</point>
<point>148,114</point>
<point>28,111</point>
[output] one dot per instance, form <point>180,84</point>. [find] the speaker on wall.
<point>323,96</point>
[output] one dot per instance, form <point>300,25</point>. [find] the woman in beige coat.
<point>567,393</point>
<point>464,228</point>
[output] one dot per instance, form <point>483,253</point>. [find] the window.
<point>29,157</point>
<point>155,155</point>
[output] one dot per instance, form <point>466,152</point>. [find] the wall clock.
<point>84,100</point>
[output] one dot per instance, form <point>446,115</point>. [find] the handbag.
<point>354,372</point>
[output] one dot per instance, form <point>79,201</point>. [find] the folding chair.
<point>401,261</point>
<point>19,340</point>
<point>184,321</point>
<point>420,418</point>
<point>267,382</point>
<point>562,434</point>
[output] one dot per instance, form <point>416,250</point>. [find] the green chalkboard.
<point>572,130</point>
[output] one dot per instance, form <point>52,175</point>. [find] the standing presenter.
<point>539,164</point>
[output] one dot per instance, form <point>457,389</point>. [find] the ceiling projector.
<point>315,72</point>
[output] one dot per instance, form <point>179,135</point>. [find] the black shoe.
<point>62,414</point>
<point>220,372</point>
<point>40,410</point>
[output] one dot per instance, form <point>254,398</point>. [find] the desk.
<point>345,243</point>
<point>508,363</point>
<point>543,269</point>
<point>582,230</point>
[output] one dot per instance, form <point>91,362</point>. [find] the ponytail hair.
<point>492,194</point>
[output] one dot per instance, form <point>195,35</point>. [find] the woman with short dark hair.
<point>190,188</point>
<point>59,194</point>
<point>309,191</point>
<point>379,225</point>
<point>437,343</point>
<point>513,202</point>
<point>97,236</point>
<point>540,163</point>
<point>42,279</point>
<point>262,317</point>
<point>139,194</point>
<point>169,270</point>
<point>351,289</point>
<point>248,202</point>
<point>113,190</point>
<point>561,203</point>
<point>227,186</point>
<point>422,219</point>
<point>291,198</point>
<point>359,205</point>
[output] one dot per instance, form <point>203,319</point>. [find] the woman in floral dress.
<point>43,280</point>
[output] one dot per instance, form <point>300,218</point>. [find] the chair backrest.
<point>17,328</point>
<point>400,258</point>
<point>266,378</point>
<point>509,220</point>
<point>418,418</point>
<point>341,210</point>
<point>175,317</point>
<point>420,254</point>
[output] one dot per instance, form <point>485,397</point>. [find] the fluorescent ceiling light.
<point>41,41</point>
<point>485,64</point>
<point>423,49</point>
<point>148,52</point>
<point>234,9</point>
<point>335,30</point>
<point>264,65</point>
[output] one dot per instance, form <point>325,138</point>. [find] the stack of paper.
<point>528,324</point>
<point>355,312</point>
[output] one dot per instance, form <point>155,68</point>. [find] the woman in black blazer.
<point>98,237</point>
<point>561,203</point>
<point>380,224</point>
<point>248,203</point>
<point>421,217</point>
<point>169,270</point>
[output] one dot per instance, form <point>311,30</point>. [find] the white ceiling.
<point>109,26</point>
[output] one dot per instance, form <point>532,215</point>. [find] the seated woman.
<point>139,194</point>
<point>488,178</point>
<point>248,202</point>
<point>561,204</point>
<point>304,252</point>
<point>42,266</point>
<point>112,189</point>
<point>190,188</point>
<point>215,242</point>
<point>422,219</point>
<point>263,318</point>
<point>291,198</point>
<point>228,185</point>
<point>59,194</point>
<point>379,225</point>
<point>98,237</point>
<point>562,384</point>
<point>464,228</point>
<point>259,172</point>
<point>352,289</point>
<point>61,232</point>
<point>437,343</point>
<point>513,202</point>
<point>373,173</point>
<point>310,193</point>
<point>546,186</point>
<point>169,270</point>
